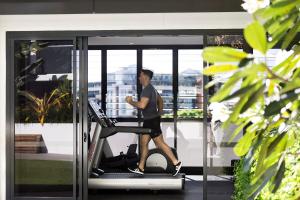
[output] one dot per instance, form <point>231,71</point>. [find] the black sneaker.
<point>177,168</point>
<point>136,171</point>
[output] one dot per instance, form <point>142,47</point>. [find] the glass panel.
<point>220,155</point>
<point>94,75</point>
<point>190,139</point>
<point>190,84</point>
<point>190,107</point>
<point>160,62</point>
<point>44,118</point>
<point>273,56</point>
<point>121,82</point>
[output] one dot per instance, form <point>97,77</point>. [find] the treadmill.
<point>128,181</point>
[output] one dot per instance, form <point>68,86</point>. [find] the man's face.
<point>142,78</point>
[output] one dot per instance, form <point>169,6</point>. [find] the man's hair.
<point>148,73</point>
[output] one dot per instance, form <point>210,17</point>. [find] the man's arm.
<point>160,103</point>
<point>138,104</point>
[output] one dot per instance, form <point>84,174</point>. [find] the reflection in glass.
<point>43,118</point>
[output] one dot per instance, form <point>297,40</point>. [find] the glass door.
<point>82,78</point>
<point>46,129</point>
<point>220,157</point>
<point>190,107</point>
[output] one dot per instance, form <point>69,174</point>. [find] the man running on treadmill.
<point>151,105</point>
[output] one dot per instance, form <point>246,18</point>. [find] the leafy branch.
<point>267,98</point>
<point>41,106</point>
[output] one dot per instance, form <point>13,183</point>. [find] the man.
<point>151,105</point>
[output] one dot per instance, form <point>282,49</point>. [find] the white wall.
<point>58,138</point>
<point>101,22</point>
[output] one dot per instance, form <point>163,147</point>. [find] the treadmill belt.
<point>130,181</point>
<point>132,175</point>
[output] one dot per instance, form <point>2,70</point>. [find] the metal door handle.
<point>84,137</point>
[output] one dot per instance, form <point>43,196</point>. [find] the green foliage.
<point>41,106</point>
<point>290,185</point>
<point>268,100</point>
<point>56,106</point>
<point>244,144</point>
<point>219,68</point>
<point>187,113</point>
<point>223,54</point>
<point>190,113</point>
<point>43,172</point>
<point>241,181</point>
<point>255,35</point>
<point>279,19</point>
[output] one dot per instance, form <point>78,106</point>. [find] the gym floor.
<point>216,190</point>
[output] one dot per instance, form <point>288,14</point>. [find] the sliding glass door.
<point>47,91</point>
<point>46,126</point>
<point>220,157</point>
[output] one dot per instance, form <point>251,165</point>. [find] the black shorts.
<point>154,124</point>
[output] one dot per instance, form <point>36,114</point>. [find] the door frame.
<point>11,36</point>
<point>78,144</point>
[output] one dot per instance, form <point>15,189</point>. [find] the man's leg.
<point>160,143</point>
<point>145,139</point>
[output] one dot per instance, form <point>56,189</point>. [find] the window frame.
<point>139,49</point>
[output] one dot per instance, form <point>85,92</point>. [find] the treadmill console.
<point>98,114</point>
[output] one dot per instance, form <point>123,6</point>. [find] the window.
<point>190,105</point>
<point>190,83</point>
<point>160,62</point>
<point>121,82</point>
<point>94,75</point>
<point>273,56</point>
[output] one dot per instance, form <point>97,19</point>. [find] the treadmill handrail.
<point>109,131</point>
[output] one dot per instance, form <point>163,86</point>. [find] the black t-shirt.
<point>151,110</point>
